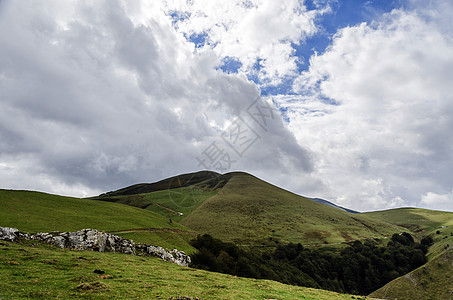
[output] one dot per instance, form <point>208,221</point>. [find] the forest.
<point>360,268</point>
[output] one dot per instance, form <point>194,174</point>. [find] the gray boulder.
<point>88,239</point>
<point>11,234</point>
<point>174,256</point>
<point>181,258</point>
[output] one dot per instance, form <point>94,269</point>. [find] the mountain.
<point>244,209</point>
<point>325,202</point>
<point>248,210</point>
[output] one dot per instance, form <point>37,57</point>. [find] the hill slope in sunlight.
<point>249,210</point>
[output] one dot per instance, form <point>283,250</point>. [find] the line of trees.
<point>360,268</point>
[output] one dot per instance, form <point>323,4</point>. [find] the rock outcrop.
<point>95,240</point>
<point>87,239</point>
<point>174,256</point>
<point>11,234</point>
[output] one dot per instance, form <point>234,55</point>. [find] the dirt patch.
<point>92,287</point>
<point>317,234</point>
<point>411,227</point>
<point>50,261</point>
<point>346,236</point>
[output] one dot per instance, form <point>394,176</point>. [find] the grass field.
<point>40,212</point>
<point>45,272</point>
<point>248,210</point>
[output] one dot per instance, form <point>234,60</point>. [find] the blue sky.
<point>343,13</point>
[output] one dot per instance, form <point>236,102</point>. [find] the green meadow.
<point>44,272</point>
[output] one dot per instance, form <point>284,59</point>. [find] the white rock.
<point>9,234</point>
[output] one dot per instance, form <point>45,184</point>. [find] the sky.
<point>346,100</point>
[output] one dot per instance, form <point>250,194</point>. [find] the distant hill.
<point>325,202</point>
<point>422,222</point>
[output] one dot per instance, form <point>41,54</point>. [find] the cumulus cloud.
<point>96,96</point>
<point>376,108</point>
<point>257,33</point>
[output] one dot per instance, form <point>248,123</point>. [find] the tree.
<point>427,240</point>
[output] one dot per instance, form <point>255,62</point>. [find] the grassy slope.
<point>431,281</point>
<point>35,212</point>
<point>249,210</point>
<point>169,203</point>
<point>434,279</point>
<point>417,219</point>
<point>422,222</point>
<point>47,272</point>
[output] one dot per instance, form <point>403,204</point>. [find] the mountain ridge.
<point>322,201</point>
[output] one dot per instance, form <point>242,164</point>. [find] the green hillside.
<point>415,219</point>
<point>45,272</point>
<point>248,210</point>
<point>174,197</point>
<point>173,204</point>
<point>40,212</point>
<point>422,222</point>
<point>431,281</point>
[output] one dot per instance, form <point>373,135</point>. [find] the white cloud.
<point>250,31</point>
<point>377,110</point>
<point>437,201</point>
<point>98,95</point>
